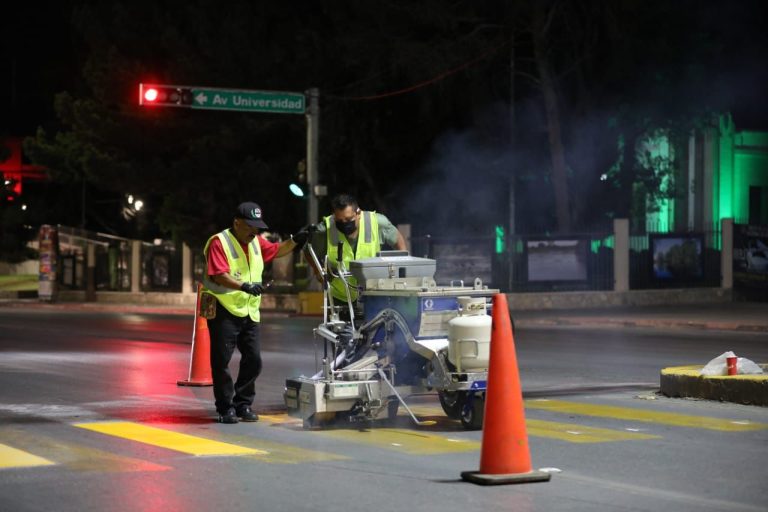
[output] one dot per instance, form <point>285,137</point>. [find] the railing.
<point>161,267</point>
<point>519,263</point>
<point>683,259</point>
<point>462,259</point>
<point>159,263</point>
<point>112,265</point>
<point>578,262</point>
<point>524,263</point>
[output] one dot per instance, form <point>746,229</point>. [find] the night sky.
<point>40,58</point>
<point>43,54</point>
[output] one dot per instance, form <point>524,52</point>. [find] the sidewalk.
<point>729,316</point>
<point>108,307</point>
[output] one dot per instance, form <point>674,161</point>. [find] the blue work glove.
<point>254,289</point>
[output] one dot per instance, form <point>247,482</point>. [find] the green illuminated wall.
<point>727,163</point>
<point>742,163</point>
<point>724,207</point>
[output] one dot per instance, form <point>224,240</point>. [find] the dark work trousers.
<point>227,332</point>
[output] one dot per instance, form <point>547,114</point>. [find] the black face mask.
<point>347,228</point>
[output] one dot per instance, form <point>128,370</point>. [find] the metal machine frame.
<point>359,378</point>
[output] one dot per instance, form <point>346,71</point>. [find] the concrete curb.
<point>117,307</point>
<point>685,381</point>
<point>641,323</point>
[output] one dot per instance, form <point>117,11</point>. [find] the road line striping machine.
<point>403,336</point>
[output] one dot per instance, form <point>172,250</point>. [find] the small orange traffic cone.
<point>504,457</point>
<point>200,360</point>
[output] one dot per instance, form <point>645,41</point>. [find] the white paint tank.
<point>469,336</point>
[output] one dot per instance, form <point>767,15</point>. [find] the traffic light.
<point>10,187</point>
<point>164,95</point>
<point>499,239</point>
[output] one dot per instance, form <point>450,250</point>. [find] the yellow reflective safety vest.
<point>241,268</point>
<point>368,245</point>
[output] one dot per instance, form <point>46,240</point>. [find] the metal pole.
<point>82,205</point>
<point>313,127</point>
<point>512,171</point>
<point>512,137</point>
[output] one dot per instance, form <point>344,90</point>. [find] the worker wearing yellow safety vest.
<point>232,288</point>
<point>361,233</point>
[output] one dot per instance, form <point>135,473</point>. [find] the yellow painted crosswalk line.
<point>407,441</point>
<point>279,453</point>
<point>12,458</point>
<point>644,415</point>
<point>176,441</point>
<point>75,456</point>
<point>403,440</point>
<point>279,418</point>
<point>580,433</point>
<point>564,431</point>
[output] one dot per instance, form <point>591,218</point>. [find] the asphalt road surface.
<point>91,418</point>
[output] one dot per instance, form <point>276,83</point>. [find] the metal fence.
<point>523,263</point>
<point>681,259</point>
<point>161,267</point>
<point>577,262</point>
<point>161,264</point>
<point>518,263</point>
<point>112,265</point>
<point>462,259</point>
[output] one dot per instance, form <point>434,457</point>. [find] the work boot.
<point>228,417</point>
<point>246,414</point>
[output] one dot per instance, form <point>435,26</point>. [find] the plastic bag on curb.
<point>719,365</point>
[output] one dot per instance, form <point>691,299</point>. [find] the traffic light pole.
<point>313,126</point>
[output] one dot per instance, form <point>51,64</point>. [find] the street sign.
<point>249,101</point>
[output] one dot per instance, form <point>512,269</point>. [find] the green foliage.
<point>626,69</point>
<point>193,167</point>
<point>682,260</point>
<point>14,235</point>
<point>618,69</point>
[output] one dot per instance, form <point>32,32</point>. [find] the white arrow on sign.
<point>201,98</point>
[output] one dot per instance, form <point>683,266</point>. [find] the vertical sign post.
<point>313,130</point>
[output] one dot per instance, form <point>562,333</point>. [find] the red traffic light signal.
<point>164,95</point>
<point>150,94</point>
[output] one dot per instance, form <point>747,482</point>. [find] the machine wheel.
<point>452,403</point>
<point>472,414</point>
<point>392,407</point>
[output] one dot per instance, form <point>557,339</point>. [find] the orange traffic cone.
<point>200,360</point>
<point>504,457</point>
